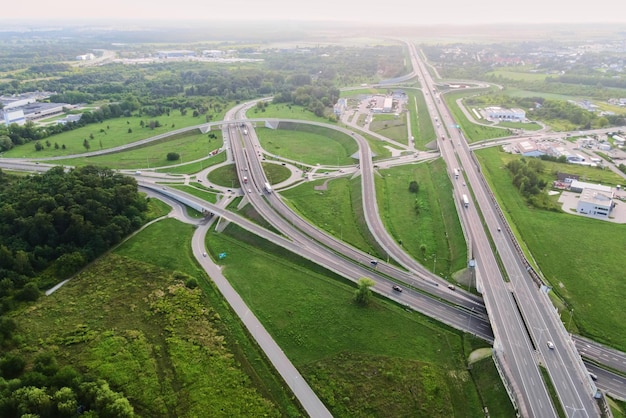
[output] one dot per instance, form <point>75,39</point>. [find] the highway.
<point>522,316</point>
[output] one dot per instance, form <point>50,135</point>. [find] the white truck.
<point>465,201</point>
<point>456,173</point>
<point>268,188</point>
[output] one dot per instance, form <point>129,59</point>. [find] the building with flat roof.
<point>501,114</point>
<point>13,116</point>
<point>530,149</point>
<point>595,203</point>
<point>578,187</point>
<point>178,53</point>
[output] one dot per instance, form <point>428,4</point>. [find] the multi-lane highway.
<point>526,328</point>
<point>523,318</point>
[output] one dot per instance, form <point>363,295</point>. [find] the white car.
<point>550,345</point>
<point>203,254</point>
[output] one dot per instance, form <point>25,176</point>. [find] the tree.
<point>414,187</point>
<point>86,144</point>
<point>363,294</point>
<point>12,365</point>
<point>173,156</point>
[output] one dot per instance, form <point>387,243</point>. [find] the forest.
<point>53,224</point>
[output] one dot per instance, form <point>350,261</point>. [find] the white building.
<point>595,203</point>
<point>500,114</point>
<point>212,53</point>
<point>388,105</point>
<point>179,53</point>
<point>86,57</point>
<point>14,116</point>
<point>578,187</point>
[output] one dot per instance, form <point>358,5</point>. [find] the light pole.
<point>435,263</point>
<point>571,314</point>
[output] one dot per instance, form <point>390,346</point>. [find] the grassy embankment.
<point>588,277</point>
<point>136,318</point>
<point>391,126</point>
<point>426,222</point>
<point>226,176</point>
<point>379,360</point>
<point>422,128</point>
<point>471,131</point>
<point>108,134</point>
<point>434,230</point>
<point>309,144</point>
<point>190,146</point>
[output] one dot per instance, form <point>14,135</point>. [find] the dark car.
<point>397,288</point>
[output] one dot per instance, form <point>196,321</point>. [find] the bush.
<point>173,156</point>
<point>11,366</point>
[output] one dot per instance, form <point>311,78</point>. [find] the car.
<point>451,287</point>
<point>593,376</point>
<point>203,254</point>
<point>550,345</point>
<point>200,180</point>
<point>397,288</point>
<point>499,229</point>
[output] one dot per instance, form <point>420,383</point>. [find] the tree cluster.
<point>45,389</point>
<point>527,179</point>
<point>57,222</point>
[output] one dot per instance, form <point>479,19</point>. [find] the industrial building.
<point>179,53</point>
<point>499,114</point>
<point>595,200</point>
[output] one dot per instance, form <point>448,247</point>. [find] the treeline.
<point>45,389</point>
<point>52,224</point>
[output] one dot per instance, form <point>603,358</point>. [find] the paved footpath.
<point>301,389</point>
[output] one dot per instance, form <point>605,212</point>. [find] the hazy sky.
<point>400,11</point>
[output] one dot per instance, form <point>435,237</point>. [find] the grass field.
<point>284,111</point>
<point>587,277</point>
<point>308,144</point>
<point>171,349</point>
<point>433,230</point>
<point>391,126</point>
<point>422,128</point>
<point>195,166</point>
<point>520,125</point>
<point>337,210</point>
<point>472,132</point>
<point>518,75</point>
<point>357,362</point>
<point>108,134</point>
<point>191,146</point>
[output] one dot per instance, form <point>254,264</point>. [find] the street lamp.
<point>435,263</point>
<point>571,314</point>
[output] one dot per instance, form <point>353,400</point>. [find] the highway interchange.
<point>516,315</point>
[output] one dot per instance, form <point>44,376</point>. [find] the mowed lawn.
<point>426,222</point>
<point>108,134</point>
<point>308,147</point>
<point>580,257</point>
<point>337,210</point>
<point>190,147</point>
<point>380,360</point>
